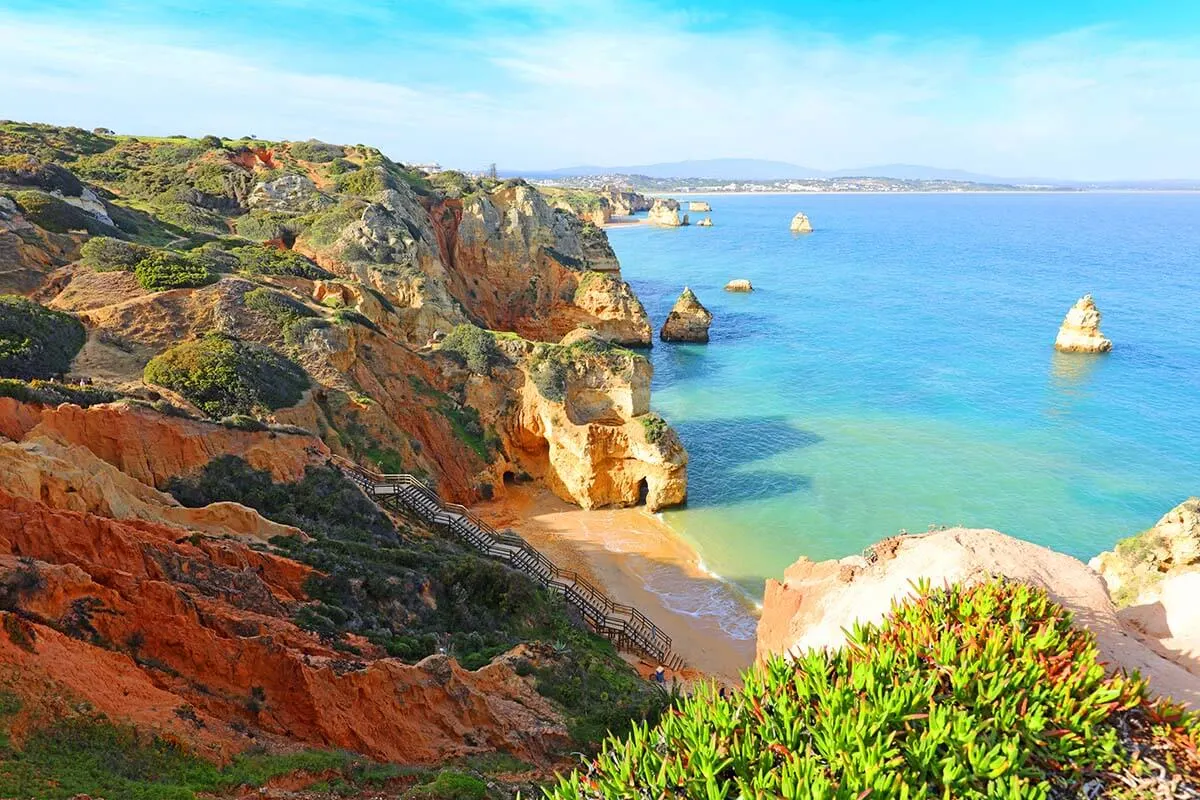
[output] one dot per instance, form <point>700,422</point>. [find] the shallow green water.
<point>895,370</point>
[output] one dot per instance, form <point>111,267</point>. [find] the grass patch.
<point>450,785</point>
<point>224,377</point>
<point>50,393</point>
<point>35,341</point>
<point>267,260</point>
<point>980,692</point>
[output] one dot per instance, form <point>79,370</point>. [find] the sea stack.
<point>705,223</point>
<point>665,212</point>
<point>739,285</point>
<point>800,223</point>
<point>688,320</point>
<point>1080,331</point>
<point>699,205</point>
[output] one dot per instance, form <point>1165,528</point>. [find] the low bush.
<point>163,270</point>
<point>50,393</point>
<point>316,151</point>
<point>474,347</point>
<point>980,692</point>
<point>35,341</point>
<point>450,785</point>
<point>268,226</point>
<point>224,376</point>
<point>267,260</point>
<point>655,426</point>
<point>105,254</point>
<point>279,308</point>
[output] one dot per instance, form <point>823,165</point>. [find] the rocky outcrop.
<point>29,254</point>
<point>626,203</point>
<point>152,447</point>
<point>665,212</point>
<point>211,632</point>
<point>1080,331</point>
<point>800,223</point>
<point>739,285</point>
<point>289,193</point>
<point>817,602</point>
<point>699,205</point>
<point>612,309</point>
<point>1134,568</point>
<point>705,223</point>
<point>688,320</point>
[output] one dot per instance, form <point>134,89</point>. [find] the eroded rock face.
<point>800,223</point>
<point>665,212</point>
<point>1080,331</point>
<point>612,309</point>
<point>688,321</point>
<point>626,203</point>
<point>289,193</point>
<point>1135,567</point>
<point>818,601</point>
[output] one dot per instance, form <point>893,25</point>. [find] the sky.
<point>1069,89</point>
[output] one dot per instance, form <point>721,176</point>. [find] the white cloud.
<point>619,87</point>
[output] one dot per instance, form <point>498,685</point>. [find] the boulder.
<point>699,205</point>
<point>705,223</point>
<point>1080,331</point>
<point>688,320</point>
<point>800,223</point>
<point>817,602</point>
<point>739,285</point>
<point>665,212</point>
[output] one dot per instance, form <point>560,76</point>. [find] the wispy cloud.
<point>616,85</point>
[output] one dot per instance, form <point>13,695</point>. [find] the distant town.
<point>643,183</point>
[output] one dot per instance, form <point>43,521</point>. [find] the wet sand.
<point>639,561</point>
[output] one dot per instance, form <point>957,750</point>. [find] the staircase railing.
<point>625,626</point>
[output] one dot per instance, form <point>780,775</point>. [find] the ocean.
<point>895,370</point>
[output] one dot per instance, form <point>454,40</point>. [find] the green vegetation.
<point>551,365</point>
<point>267,260</point>
<point>89,755</point>
<point>979,692</point>
<point>49,393</point>
<point>473,347</point>
<point>376,581</point>
<point>655,426</point>
<point>285,312</point>
<point>51,142</point>
<point>268,226</point>
<point>163,270</point>
<point>224,376</point>
<point>105,254</point>
<point>56,215</point>
<point>450,785</point>
<point>468,427</point>
<point>36,342</point>
<point>316,151</point>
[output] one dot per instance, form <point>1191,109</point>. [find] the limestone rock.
<point>613,310</point>
<point>89,202</point>
<point>295,194</point>
<point>739,285</point>
<point>699,205</point>
<point>800,223</point>
<point>1080,331</point>
<point>626,203</point>
<point>817,602</point>
<point>1134,568</point>
<point>688,320</point>
<point>705,223</point>
<point>665,212</point>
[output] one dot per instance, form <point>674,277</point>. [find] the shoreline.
<point>640,561</point>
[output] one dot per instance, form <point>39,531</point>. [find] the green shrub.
<point>36,342</point>
<point>49,393</point>
<point>191,217</point>
<point>105,254</point>
<point>279,308</point>
<point>268,226</point>
<point>655,427</point>
<point>223,376</point>
<point>979,692</point>
<point>162,270</point>
<point>346,316</point>
<point>368,181</point>
<point>474,347</point>
<point>267,260</point>
<point>450,785</point>
<point>549,373</point>
<point>57,215</point>
<point>327,226</point>
<point>25,170</point>
<point>316,151</point>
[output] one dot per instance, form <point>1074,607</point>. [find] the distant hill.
<point>750,169</point>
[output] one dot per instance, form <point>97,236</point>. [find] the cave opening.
<point>643,492</point>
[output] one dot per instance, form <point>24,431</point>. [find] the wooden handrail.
<point>627,627</point>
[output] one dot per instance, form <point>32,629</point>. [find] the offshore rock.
<point>688,321</point>
<point>1080,331</point>
<point>665,212</point>
<point>739,285</point>
<point>705,223</point>
<point>699,205</point>
<point>800,223</point>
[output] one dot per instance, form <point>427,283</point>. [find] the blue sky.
<point>1086,90</point>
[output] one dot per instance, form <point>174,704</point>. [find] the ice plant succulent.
<point>982,691</point>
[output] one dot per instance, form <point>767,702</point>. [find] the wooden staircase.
<point>625,626</point>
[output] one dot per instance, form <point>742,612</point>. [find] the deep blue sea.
<point>895,369</point>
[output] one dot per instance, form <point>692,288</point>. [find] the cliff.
<point>1080,331</point>
<point>688,321</point>
<point>665,212</point>
<point>817,602</point>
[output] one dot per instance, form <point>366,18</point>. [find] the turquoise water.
<point>895,370</point>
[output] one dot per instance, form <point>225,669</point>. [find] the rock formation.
<point>817,601</point>
<point>688,320</point>
<point>800,223</point>
<point>665,212</point>
<point>1080,331</point>
<point>699,205</point>
<point>1134,568</point>
<point>705,223</point>
<point>739,285</point>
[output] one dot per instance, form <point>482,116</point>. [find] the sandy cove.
<point>624,551</point>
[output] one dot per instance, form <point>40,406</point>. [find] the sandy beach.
<point>640,561</point>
